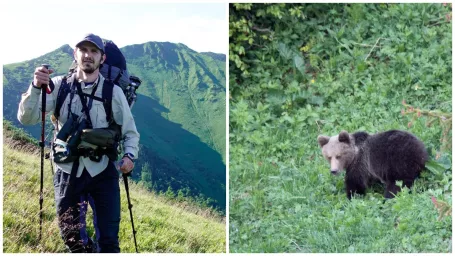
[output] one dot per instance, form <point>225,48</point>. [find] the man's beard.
<point>87,68</point>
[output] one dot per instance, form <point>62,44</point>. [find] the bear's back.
<point>396,155</point>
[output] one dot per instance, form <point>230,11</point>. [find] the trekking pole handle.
<point>49,87</point>
<point>119,164</point>
<point>46,66</point>
<point>44,86</point>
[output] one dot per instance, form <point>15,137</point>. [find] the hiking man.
<point>91,174</point>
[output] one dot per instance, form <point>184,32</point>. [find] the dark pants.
<point>71,202</point>
<point>86,240</point>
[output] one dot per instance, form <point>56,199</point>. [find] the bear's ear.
<point>322,140</point>
<point>344,137</point>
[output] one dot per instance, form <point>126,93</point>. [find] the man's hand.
<point>127,165</point>
<point>41,76</point>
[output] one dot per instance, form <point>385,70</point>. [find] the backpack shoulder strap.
<point>117,79</point>
<point>108,90</point>
<point>63,92</point>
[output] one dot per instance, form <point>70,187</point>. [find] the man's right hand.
<point>41,76</point>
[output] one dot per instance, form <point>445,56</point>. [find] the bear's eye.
<point>330,158</point>
<point>338,157</point>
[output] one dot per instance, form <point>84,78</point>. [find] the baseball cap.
<point>94,39</point>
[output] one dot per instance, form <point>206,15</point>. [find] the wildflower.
<point>433,199</point>
<point>305,48</point>
<point>312,81</point>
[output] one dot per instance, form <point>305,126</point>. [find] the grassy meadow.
<point>301,70</point>
<point>162,225</point>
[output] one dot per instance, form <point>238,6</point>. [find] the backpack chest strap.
<point>86,106</point>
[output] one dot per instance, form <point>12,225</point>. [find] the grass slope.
<point>162,226</point>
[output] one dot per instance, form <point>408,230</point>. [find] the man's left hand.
<point>127,165</point>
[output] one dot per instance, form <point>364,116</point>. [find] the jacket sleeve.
<point>29,111</point>
<point>123,116</point>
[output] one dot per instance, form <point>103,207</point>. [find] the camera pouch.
<point>65,151</point>
<point>106,140</point>
<point>61,152</point>
<point>102,137</point>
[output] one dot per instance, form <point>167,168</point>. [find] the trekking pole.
<point>43,126</point>
<point>130,206</point>
<point>135,83</point>
<point>48,156</point>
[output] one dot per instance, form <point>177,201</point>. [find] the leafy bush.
<point>300,70</point>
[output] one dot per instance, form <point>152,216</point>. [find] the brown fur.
<point>386,157</point>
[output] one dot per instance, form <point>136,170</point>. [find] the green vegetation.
<point>162,225</point>
<point>180,115</point>
<point>17,136</point>
<point>300,70</point>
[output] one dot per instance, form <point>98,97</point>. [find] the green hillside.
<point>162,225</point>
<point>180,114</point>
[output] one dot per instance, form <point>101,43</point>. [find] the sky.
<point>34,28</point>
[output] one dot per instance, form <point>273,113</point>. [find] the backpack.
<point>114,71</point>
<point>114,67</point>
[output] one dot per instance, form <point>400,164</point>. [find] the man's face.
<point>88,57</point>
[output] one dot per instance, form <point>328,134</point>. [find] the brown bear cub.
<point>386,157</point>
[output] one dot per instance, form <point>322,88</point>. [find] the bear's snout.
<point>334,172</point>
